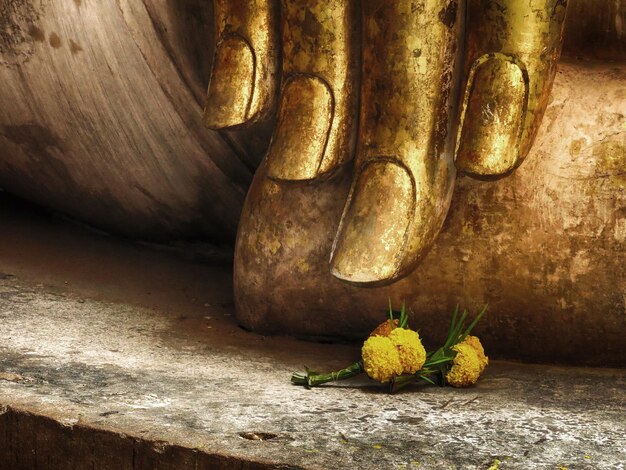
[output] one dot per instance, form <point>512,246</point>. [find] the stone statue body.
<point>377,108</point>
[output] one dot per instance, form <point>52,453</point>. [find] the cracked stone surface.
<point>115,355</point>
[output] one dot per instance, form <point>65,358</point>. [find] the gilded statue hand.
<point>406,89</point>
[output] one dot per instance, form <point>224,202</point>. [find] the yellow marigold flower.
<point>381,360</point>
<point>474,342</point>
<point>410,348</point>
<point>466,366</point>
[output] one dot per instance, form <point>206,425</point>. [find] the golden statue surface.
<point>410,92</point>
<point>380,106</point>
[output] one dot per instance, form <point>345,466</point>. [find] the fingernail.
<point>492,118</point>
<point>305,118</point>
<point>232,84</point>
<point>371,238</point>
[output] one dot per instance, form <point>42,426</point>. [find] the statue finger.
<point>404,168</point>
<point>244,79</point>
<point>317,116</point>
<point>512,51</point>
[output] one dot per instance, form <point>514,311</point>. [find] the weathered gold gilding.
<point>511,54</point>
<point>409,53</point>
<point>405,63</point>
<point>318,110</point>
<point>243,83</point>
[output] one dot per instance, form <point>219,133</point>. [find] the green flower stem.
<point>312,379</point>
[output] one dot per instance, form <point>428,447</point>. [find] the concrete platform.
<point>117,355</point>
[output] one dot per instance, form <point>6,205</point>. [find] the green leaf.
<point>439,361</point>
<point>404,317</point>
<point>476,320</point>
<point>427,379</point>
<point>454,315</point>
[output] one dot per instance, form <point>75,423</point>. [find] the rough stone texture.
<point>544,247</point>
<point>16,34</point>
<point>101,117</point>
<point>113,355</point>
<point>596,29</point>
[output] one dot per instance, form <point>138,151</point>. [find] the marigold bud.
<point>385,328</point>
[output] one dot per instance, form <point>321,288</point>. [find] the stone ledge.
<point>38,441</point>
<point>109,350</point>
<point>121,380</point>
